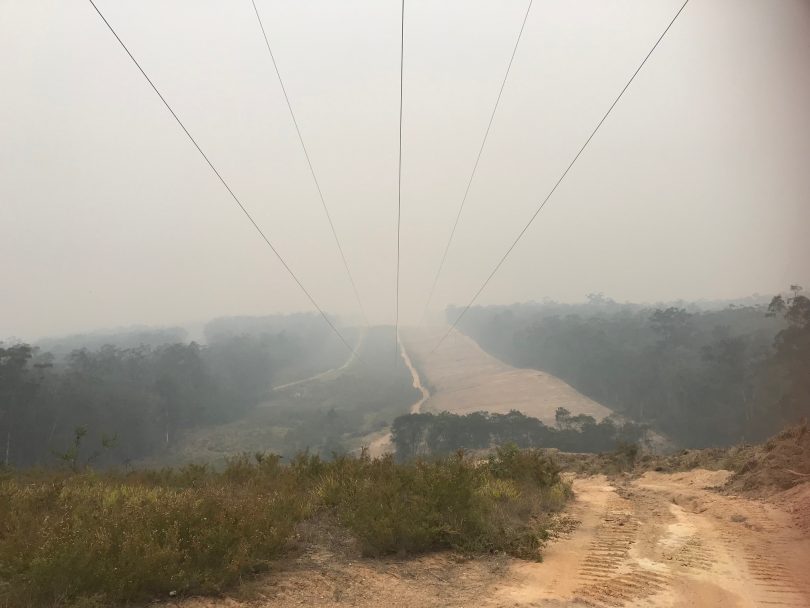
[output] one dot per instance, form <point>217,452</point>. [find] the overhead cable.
<point>477,161</point>
<point>399,174</point>
<point>559,181</point>
<point>309,161</point>
<point>222,180</point>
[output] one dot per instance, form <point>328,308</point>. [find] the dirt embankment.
<point>780,463</point>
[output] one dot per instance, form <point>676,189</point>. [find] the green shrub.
<point>411,507</point>
<point>525,466</point>
<point>448,503</point>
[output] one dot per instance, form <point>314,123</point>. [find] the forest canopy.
<point>130,394</point>
<point>430,434</point>
<point>702,375</point>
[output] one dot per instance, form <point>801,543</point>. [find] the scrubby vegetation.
<point>427,433</point>
<point>98,539</point>
<point>333,414</point>
<point>702,375</point>
<point>780,463</point>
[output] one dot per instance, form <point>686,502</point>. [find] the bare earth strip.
<point>462,378</point>
<point>381,443</point>
<point>664,540</point>
<point>330,373</point>
<point>669,540</point>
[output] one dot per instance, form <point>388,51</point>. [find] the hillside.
<point>683,538</point>
<point>463,378</point>
<point>334,410</point>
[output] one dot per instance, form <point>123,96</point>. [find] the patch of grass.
<point>132,537</point>
<point>100,539</point>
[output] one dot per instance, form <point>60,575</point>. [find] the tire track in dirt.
<point>609,575</point>
<point>774,583</point>
<point>694,555</point>
<point>746,547</point>
<point>668,540</point>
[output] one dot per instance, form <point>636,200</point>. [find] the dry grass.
<point>122,538</point>
<point>93,539</point>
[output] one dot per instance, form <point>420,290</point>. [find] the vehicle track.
<point>668,540</point>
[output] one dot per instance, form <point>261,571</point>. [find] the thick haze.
<point>697,186</point>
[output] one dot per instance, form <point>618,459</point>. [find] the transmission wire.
<point>559,181</point>
<point>477,160</point>
<point>309,161</point>
<point>399,175</point>
<point>222,180</point>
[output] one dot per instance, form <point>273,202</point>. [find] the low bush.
<point>450,503</point>
<point>81,539</point>
<point>411,507</point>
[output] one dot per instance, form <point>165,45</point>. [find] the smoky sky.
<point>697,185</point>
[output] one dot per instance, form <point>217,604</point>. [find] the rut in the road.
<point>775,584</point>
<point>653,542</point>
<point>607,576</point>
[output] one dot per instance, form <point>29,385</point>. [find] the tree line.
<point>120,403</point>
<point>428,434</point>
<point>702,376</point>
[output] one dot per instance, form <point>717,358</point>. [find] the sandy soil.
<point>669,540</point>
<point>665,540</point>
<point>463,378</point>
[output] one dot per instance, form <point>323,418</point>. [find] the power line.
<point>477,160</point>
<point>399,178</point>
<point>309,161</point>
<point>559,181</point>
<point>221,179</point>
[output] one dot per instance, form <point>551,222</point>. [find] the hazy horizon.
<point>195,327</point>
<point>695,188</point>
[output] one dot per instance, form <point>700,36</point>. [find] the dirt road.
<point>329,373</point>
<point>668,540</point>
<point>380,443</point>
<point>463,379</point>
